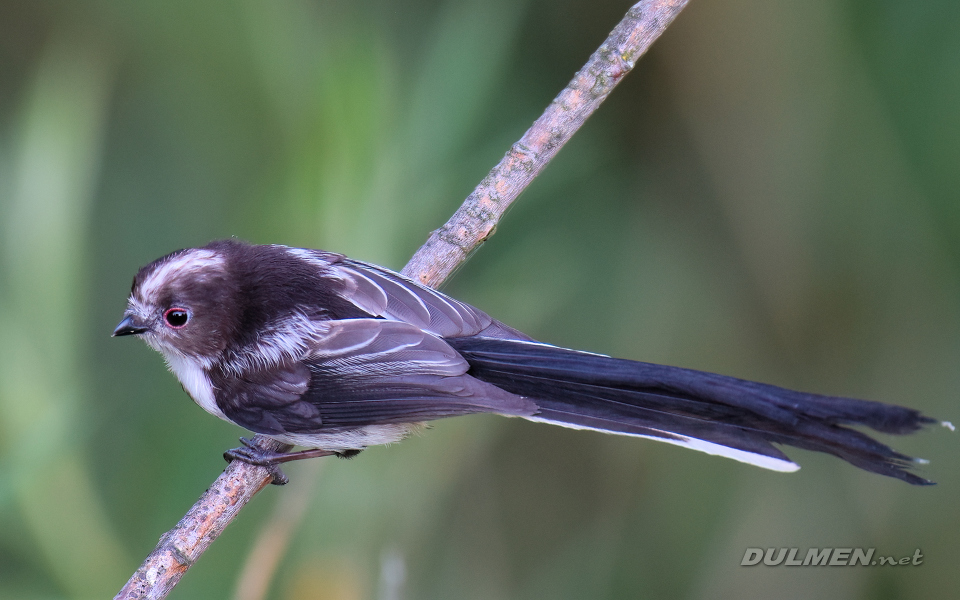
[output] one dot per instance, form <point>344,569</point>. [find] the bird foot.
<point>252,454</point>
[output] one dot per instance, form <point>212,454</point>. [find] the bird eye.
<point>176,317</point>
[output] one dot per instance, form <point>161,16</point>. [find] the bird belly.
<point>351,438</point>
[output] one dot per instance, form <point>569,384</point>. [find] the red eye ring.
<point>176,317</point>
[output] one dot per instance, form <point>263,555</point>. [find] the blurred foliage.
<point>773,194</point>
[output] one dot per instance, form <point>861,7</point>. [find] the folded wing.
<point>386,294</point>
<point>363,372</point>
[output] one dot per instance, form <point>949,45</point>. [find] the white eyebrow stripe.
<point>192,261</point>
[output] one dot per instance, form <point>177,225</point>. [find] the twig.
<point>477,218</point>
<point>436,260</point>
<point>180,547</point>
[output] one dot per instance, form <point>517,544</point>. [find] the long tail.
<point>712,413</point>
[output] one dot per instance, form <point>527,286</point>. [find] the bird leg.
<point>255,455</point>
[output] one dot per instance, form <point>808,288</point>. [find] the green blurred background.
<point>772,194</point>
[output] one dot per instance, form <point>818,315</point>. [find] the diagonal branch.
<point>445,250</point>
<point>476,219</point>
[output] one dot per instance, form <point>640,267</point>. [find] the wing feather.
<point>363,372</point>
<point>386,294</point>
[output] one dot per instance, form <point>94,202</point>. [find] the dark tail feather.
<point>713,413</point>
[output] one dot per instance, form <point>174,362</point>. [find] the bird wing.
<point>362,372</point>
<point>389,295</point>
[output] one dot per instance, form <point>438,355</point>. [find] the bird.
<point>316,350</point>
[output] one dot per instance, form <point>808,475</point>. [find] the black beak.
<point>129,326</point>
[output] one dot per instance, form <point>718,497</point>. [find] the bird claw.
<point>253,454</point>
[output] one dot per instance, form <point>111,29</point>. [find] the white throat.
<point>194,380</point>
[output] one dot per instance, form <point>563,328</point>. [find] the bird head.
<point>182,305</point>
